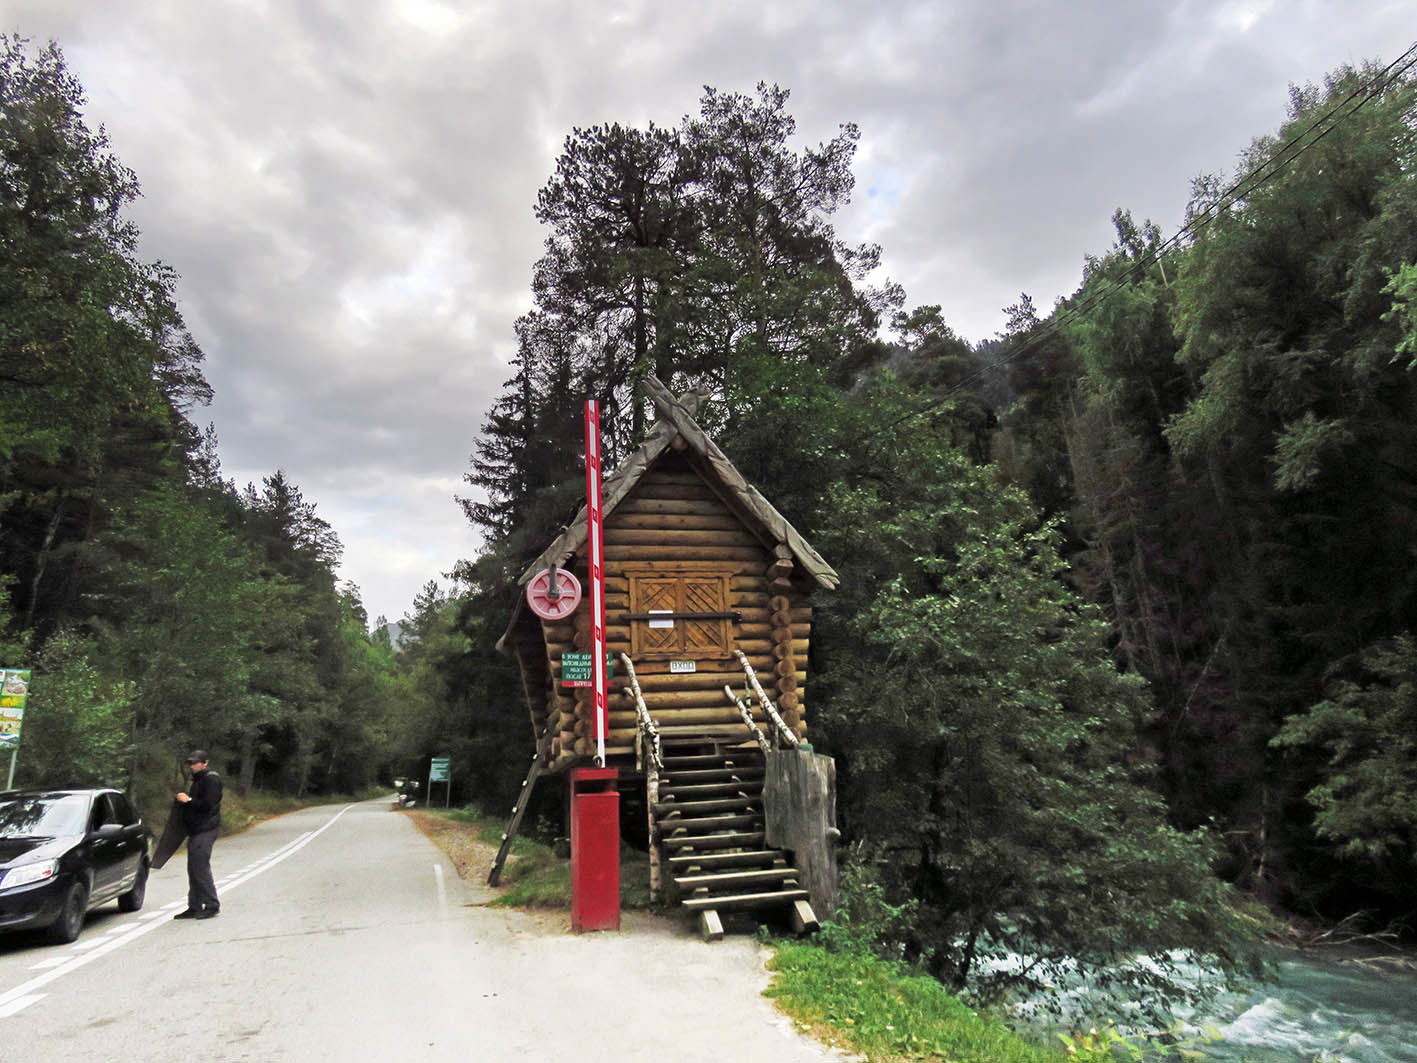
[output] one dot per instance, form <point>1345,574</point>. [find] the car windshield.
<point>47,815</point>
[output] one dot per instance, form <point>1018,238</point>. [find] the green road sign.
<point>575,669</point>
<point>440,770</point>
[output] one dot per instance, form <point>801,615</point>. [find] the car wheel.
<point>71,915</point>
<point>133,899</point>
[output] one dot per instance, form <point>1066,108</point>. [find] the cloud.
<point>345,186</point>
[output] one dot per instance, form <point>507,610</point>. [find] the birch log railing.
<point>646,730</point>
<point>780,729</point>
<point>748,721</point>
<point>649,758</point>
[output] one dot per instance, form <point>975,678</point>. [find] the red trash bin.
<point>595,849</point>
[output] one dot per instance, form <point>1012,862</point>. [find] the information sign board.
<point>576,669</point>
<point>440,769</point>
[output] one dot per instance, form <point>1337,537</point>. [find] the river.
<point>1321,1005</point>
<point>1328,1005</point>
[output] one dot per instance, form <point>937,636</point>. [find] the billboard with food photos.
<point>14,692</point>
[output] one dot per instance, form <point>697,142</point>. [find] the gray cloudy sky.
<point>345,186</point>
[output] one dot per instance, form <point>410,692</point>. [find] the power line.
<point>1295,147</point>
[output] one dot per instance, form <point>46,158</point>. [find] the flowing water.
<point>1323,1005</point>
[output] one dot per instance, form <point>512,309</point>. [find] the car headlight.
<point>28,873</point>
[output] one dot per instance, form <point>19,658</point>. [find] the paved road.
<point>344,934</point>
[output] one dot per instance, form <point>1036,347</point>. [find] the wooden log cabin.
<point>708,620</point>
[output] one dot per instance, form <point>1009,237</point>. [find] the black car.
<point>63,852</point>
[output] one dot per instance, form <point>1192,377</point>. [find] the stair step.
<point>736,878</point>
<point>716,764</point>
<point>727,840</point>
<point>693,790</point>
<point>747,859</point>
<point>705,824</point>
<point>728,733</point>
<point>726,804</point>
<point>714,774</point>
<point>745,900</point>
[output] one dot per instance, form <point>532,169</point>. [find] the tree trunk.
<point>248,762</point>
<point>42,559</point>
<point>966,960</point>
<point>641,366</point>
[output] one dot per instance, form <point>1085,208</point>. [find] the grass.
<point>536,880</point>
<point>871,1007</point>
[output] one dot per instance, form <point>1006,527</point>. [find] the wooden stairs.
<point>710,826</point>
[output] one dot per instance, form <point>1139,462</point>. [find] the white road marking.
<point>442,891</point>
<point>22,996</point>
<point>53,961</point>
<point>286,852</point>
<point>18,1004</point>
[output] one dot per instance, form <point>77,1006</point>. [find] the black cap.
<point>197,756</point>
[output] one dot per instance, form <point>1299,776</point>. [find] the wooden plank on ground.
<point>804,920</point>
<point>710,925</point>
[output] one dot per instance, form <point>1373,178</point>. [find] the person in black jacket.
<point>201,814</point>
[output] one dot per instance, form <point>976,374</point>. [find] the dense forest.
<point>160,606</point>
<point>1125,627</point>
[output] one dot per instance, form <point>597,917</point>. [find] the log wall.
<point>675,523</point>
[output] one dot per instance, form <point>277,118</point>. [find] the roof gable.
<point>676,419</point>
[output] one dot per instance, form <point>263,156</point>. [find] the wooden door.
<point>695,623</point>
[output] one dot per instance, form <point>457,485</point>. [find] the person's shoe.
<point>207,913</point>
<point>190,913</point>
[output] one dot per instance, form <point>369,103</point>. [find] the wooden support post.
<point>799,804</point>
<point>652,799</point>
<point>538,764</point>
<point>710,925</point>
<point>804,920</point>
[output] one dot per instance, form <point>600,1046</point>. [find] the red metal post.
<point>596,539</point>
<point>595,802</point>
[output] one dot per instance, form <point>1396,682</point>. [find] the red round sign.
<point>559,606</point>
